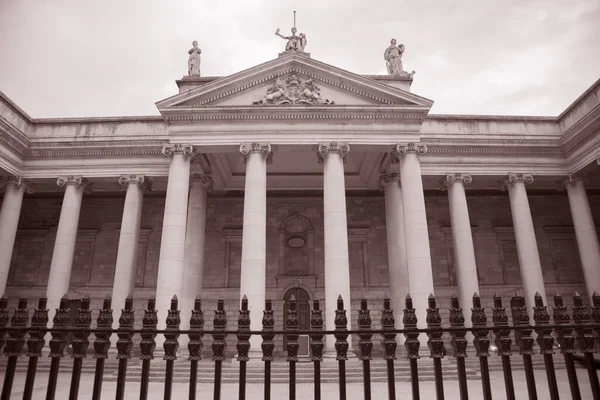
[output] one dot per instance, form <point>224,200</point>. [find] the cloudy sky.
<point>67,58</point>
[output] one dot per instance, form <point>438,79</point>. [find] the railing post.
<point>411,344</point>
<point>35,344</point>
<point>243,345</point>
<point>80,344</point>
<point>366,345</point>
<point>124,345</point>
<point>481,342</point>
<point>585,338</point>
<point>545,341</point>
<point>267,345</point>
<point>567,343</point>
<point>148,344</point>
<point>291,326</point>
<point>4,318</point>
<point>101,345</point>
<point>388,323</point>
<point>503,342</point>
<point>520,318</point>
<point>436,344</point>
<point>219,345</point>
<point>316,345</point>
<point>57,344</point>
<point>341,344</point>
<point>459,344</point>
<point>171,345</point>
<point>14,345</point>
<point>195,344</point>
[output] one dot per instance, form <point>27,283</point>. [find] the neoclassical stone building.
<point>295,177</point>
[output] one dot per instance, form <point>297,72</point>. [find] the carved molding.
<point>177,148</point>
<point>81,183</point>
<point>136,179</point>
<point>512,178</point>
<point>18,182</point>
<point>325,148</point>
<point>452,178</point>
<point>401,149</point>
<point>202,179</point>
<point>386,178</point>
<point>265,149</point>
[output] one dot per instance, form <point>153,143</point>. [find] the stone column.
<point>9,222</point>
<point>337,267</point>
<point>172,243</point>
<point>253,279</point>
<point>396,244</point>
<point>129,237</point>
<point>66,235</point>
<point>462,237</point>
<point>193,262</point>
<point>585,232</point>
<point>418,255</point>
<point>527,249</point>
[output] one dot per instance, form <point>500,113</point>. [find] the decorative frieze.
<point>265,149</point>
<point>452,178</point>
<point>203,179</point>
<point>169,149</point>
<point>78,181</point>
<point>325,148</point>
<point>18,182</point>
<point>512,178</point>
<point>386,178</point>
<point>401,149</point>
<point>135,179</point>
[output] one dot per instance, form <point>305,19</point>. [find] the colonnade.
<point>181,257</point>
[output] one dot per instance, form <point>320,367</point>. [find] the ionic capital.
<point>571,180</point>
<point>401,149</point>
<point>18,182</point>
<point>134,179</point>
<point>80,183</point>
<point>334,147</point>
<point>450,179</point>
<point>202,179</point>
<point>265,149</point>
<point>386,178</point>
<point>512,178</point>
<point>598,160</point>
<point>177,148</point>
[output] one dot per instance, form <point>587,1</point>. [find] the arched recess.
<point>302,306</point>
<point>296,246</point>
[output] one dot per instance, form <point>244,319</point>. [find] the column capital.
<point>386,178</point>
<point>18,182</point>
<point>263,148</point>
<point>202,179</point>
<point>512,178</point>
<point>81,183</point>
<point>403,148</point>
<point>452,178</point>
<point>135,179</point>
<point>333,147</point>
<point>177,148</point>
<point>571,180</point>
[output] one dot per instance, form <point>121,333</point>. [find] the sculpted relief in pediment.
<point>293,90</point>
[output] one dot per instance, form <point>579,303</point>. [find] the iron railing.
<point>576,333</point>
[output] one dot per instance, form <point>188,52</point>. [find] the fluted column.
<point>462,238</point>
<point>396,244</point>
<point>193,262</point>
<point>337,267</point>
<point>172,243</point>
<point>9,222</point>
<point>129,237</point>
<point>66,235</point>
<point>418,255</point>
<point>253,277</point>
<point>527,249</point>
<point>585,232</point>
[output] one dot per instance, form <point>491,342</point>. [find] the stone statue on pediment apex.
<point>294,42</point>
<point>393,60</point>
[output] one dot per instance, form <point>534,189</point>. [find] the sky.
<point>74,58</point>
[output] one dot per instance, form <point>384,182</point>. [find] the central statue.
<point>295,42</point>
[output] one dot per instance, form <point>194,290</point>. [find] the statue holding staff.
<point>194,60</point>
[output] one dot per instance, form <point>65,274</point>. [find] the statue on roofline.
<point>393,60</point>
<point>194,60</point>
<point>295,43</point>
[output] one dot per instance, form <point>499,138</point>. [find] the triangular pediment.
<point>294,80</point>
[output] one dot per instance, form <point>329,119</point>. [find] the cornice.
<point>499,149</point>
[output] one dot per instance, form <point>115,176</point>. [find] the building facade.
<point>297,178</point>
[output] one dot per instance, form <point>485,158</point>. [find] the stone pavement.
<point>305,391</point>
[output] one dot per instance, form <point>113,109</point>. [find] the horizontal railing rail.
<point>577,332</point>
